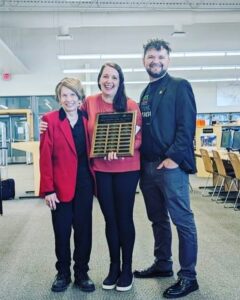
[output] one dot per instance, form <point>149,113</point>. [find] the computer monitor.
<point>226,139</point>
<point>236,140</point>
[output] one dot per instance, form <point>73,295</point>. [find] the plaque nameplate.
<point>114,132</point>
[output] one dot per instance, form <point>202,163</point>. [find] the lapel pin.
<point>161,91</point>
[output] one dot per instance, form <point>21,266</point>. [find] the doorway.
<point>17,130</point>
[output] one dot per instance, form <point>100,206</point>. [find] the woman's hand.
<point>51,201</point>
<point>43,126</point>
<point>111,156</point>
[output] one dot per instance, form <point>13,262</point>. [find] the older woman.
<point>67,184</point>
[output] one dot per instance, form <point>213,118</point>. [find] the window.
<point>46,103</point>
<point>15,102</point>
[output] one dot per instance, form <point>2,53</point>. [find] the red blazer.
<point>58,157</point>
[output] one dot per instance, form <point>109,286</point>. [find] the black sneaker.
<point>110,281</point>
<point>125,281</point>
<point>61,283</point>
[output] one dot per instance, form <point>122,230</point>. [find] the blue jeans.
<point>166,193</point>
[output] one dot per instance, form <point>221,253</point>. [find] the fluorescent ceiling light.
<point>207,53</point>
<point>191,68</point>
<point>137,82</point>
<point>183,68</point>
<point>98,56</point>
<point>84,56</point>
<point>220,67</point>
<point>203,68</point>
<point>80,71</point>
<point>215,80</point>
<point>232,53</point>
<point>89,82</point>
<point>139,56</point>
<point>113,56</point>
<point>177,54</point>
<point>190,80</point>
<point>88,71</point>
<point>126,82</point>
<point>139,70</point>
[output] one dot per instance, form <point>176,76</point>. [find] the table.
<point>32,147</point>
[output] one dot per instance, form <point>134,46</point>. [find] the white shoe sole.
<point>125,288</point>
<point>108,287</point>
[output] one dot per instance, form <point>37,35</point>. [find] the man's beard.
<point>156,74</point>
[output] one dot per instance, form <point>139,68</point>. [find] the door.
<point>16,131</point>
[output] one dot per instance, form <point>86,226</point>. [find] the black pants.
<point>116,194</point>
<point>76,214</point>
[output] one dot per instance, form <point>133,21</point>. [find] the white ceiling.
<point>28,30</point>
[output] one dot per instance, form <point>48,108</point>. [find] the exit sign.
<point>6,76</point>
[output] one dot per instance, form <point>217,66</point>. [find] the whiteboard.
<point>228,94</point>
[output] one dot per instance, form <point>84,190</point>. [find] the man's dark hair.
<point>156,44</point>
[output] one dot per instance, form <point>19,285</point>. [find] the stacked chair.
<point>235,161</point>
<point>207,162</point>
<point>223,177</point>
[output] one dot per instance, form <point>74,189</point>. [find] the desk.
<point>32,147</point>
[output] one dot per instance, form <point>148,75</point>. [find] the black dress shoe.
<point>152,272</point>
<point>61,282</point>
<point>85,283</point>
<point>182,288</point>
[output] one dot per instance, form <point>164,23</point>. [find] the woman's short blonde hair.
<point>73,84</point>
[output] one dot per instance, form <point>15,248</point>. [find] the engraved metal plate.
<point>114,132</point>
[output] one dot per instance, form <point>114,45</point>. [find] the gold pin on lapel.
<point>162,91</point>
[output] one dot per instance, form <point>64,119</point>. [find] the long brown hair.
<point>120,99</point>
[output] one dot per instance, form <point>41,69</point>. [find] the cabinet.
<point>32,147</point>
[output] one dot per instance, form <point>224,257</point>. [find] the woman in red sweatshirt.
<point>117,178</point>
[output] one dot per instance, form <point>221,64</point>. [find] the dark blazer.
<point>58,157</point>
<point>173,121</point>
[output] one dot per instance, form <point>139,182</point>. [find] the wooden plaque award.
<point>114,132</point>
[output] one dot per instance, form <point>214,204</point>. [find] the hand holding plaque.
<point>114,132</point>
